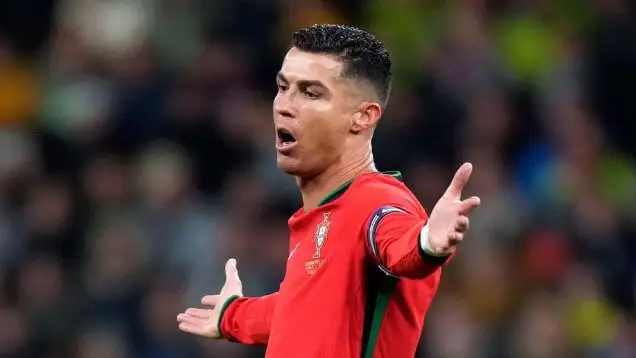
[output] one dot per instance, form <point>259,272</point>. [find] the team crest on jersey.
<point>319,239</point>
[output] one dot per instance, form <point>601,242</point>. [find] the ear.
<point>366,117</point>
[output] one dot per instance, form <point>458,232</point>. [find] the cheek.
<point>328,135</point>
<point>324,126</point>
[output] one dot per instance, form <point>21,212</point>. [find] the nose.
<point>282,106</point>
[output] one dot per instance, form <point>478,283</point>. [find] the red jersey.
<point>357,283</point>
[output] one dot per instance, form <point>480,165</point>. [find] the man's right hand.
<point>205,322</point>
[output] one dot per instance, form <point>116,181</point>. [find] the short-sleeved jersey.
<point>357,283</point>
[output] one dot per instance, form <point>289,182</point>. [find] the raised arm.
<point>404,242</point>
<point>393,238</point>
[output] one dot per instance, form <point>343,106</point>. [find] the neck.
<point>317,188</point>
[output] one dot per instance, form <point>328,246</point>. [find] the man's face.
<point>312,113</point>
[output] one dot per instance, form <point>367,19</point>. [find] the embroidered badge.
<point>319,239</point>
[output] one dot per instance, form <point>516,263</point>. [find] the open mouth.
<point>285,137</point>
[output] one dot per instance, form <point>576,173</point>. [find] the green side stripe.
<point>226,304</point>
<point>381,303</point>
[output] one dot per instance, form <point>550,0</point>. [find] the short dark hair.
<point>363,55</point>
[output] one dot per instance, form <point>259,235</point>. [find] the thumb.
<point>459,180</point>
<point>210,300</point>
<point>231,273</point>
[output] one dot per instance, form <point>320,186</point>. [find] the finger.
<point>185,318</point>
<point>462,224</point>
<point>191,328</point>
<point>231,273</point>
<point>468,205</point>
<point>455,238</point>
<point>199,313</point>
<point>210,300</point>
<point>459,180</point>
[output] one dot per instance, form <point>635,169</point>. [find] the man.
<point>364,259</point>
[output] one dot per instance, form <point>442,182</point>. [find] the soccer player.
<point>364,259</point>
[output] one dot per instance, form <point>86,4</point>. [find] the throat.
<point>321,189</point>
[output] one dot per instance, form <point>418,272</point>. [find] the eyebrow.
<point>302,83</point>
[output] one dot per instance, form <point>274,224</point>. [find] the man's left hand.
<point>448,222</point>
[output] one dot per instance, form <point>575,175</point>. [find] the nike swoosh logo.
<point>292,253</point>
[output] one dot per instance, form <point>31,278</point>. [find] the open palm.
<point>204,322</point>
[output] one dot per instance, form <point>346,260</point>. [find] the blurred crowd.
<point>136,156</point>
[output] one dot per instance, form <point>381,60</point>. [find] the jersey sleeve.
<point>392,235</point>
<point>248,320</point>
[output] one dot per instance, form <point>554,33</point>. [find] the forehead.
<point>299,65</point>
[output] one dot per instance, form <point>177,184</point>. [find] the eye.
<point>311,95</point>
<point>281,87</point>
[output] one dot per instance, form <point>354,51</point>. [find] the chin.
<point>288,165</point>
<point>297,168</point>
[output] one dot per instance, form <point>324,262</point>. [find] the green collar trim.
<point>343,188</point>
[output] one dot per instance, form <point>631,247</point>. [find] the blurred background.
<point>136,156</point>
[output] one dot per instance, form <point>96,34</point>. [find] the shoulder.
<point>374,190</point>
